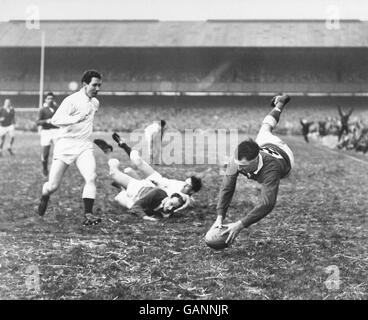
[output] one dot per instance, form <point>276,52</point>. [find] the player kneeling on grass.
<point>265,160</point>
<point>185,188</point>
<point>75,118</point>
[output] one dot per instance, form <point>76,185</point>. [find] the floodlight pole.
<point>42,68</point>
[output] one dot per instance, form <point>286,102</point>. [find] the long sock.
<point>126,148</point>
<point>45,189</point>
<point>88,205</point>
<point>45,197</point>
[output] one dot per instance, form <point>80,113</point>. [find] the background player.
<point>265,160</point>
<point>7,125</point>
<point>48,132</point>
<point>344,118</point>
<point>153,135</point>
<point>75,118</point>
<point>305,128</point>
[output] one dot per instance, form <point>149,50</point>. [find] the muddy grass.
<point>312,246</point>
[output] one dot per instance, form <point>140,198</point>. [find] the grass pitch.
<point>312,246</point>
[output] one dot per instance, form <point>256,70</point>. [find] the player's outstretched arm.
<point>340,111</point>
<point>268,200</point>
<point>225,196</point>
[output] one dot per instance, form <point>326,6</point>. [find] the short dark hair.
<point>196,183</point>
<point>181,200</point>
<point>89,74</point>
<point>163,123</point>
<point>50,94</point>
<point>247,149</point>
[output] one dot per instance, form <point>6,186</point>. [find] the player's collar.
<point>83,92</point>
<point>260,163</point>
<point>252,164</point>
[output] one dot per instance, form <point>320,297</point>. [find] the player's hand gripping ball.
<point>215,240</point>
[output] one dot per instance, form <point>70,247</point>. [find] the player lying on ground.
<point>7,125</point>
<point>142,197</point>
<point>48,132</point>
<point>75,118</point>
<point>265,160</point>
<point>143,170</point>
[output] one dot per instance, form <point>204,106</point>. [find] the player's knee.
<point>269,123</point>
<point>91,178</point>
<point>128,170</point>
<point>52,187</point>
<point>113,163</point>
<point>113,166</point>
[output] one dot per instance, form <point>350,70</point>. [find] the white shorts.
<point>7,130</point>
<point>68,149</point>
<point>265,137</point>
<point>48,136</point>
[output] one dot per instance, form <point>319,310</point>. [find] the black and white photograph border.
<point>200,152</point>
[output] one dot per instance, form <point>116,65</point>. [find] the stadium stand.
<point>214,56</point>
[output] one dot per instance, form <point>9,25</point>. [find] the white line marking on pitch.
<point>345,155</point>
<point>321,147</point>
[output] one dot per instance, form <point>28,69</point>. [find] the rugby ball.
<point>215,240</point>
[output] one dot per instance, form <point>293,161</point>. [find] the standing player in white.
<point>75,118</point>
<point>48,132</point>
<point>153,135</point>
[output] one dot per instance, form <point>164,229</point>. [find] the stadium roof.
<point>215,33</point>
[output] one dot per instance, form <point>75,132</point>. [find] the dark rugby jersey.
<point>43,115</point>
<point>150,199</point>
<point>276,165</point>
<point>9,117</point>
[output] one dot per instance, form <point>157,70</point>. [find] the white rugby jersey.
<point>171,186</point>
<point>152,129</point>
<point>68,116</point>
